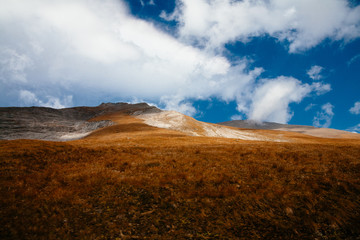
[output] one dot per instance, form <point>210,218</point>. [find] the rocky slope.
<point>308,130</point>
<point>179,122</point>
<point>60,124</point>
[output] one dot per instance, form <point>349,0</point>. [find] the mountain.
<point>133,171</point>
<point>79,122</point>
<point>308,130</point>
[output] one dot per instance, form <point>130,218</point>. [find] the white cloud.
<point>303,23</point>
<point>353,59</point>
<point>178,103</point>
<point>321,88</point>
<point>310,106</point>
<point>324,116</point>
<point>355,129</point>
<point>314,72</point>
<point>13,65</point>
<point>236,117</point>
<point>93,50</point>
<point>356,108</point>
<point>98,46</point>
<point>30,99</point>
<point>272,98</point>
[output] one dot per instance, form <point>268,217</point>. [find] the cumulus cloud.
<point>272,98</point>
<point>93,50</point>
<point>302,23</point>
<point>314,72</point>
<point>321,88</point>
<point>30,99</point>
<point>178,103</point>
<point>354,129</point>
<point>356,108</point>
<point>324,116</point>
<point>97,45</point>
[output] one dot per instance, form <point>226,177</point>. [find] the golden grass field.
<point>134,181</point>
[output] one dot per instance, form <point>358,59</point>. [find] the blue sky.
<point>294,62</point>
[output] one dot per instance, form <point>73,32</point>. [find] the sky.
<point>285,61</point>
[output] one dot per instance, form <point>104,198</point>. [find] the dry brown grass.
<point>159,184</point>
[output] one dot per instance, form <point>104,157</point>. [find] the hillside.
<point>135,180</point>
<point>308,130</point>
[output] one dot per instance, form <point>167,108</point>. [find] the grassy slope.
<point>159,184</point>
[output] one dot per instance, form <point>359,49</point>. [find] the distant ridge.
<point>308,130</point>
<point>250,124</point>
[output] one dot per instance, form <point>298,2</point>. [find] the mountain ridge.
<point>60,124</point>
<point>74,123</point>
<point>308,130</point>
